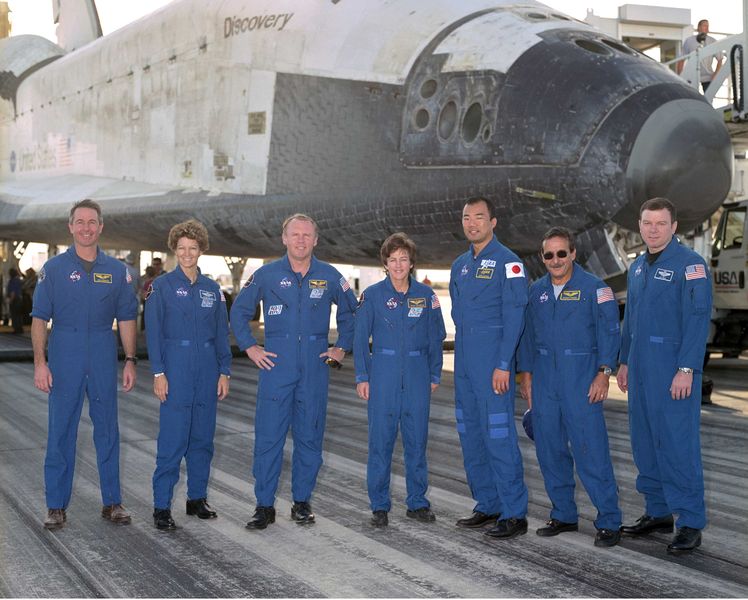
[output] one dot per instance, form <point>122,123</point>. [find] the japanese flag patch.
<point>514,269</point>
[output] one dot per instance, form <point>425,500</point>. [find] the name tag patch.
<point>415,311</point>
<point>487,262</point>
<point>664,275</point>
<point>207,298</point>
<point>316,293</point>
<point>570,295</point>
<point>484,273</point>
<point>102,277</point>
<point>416,302</point>
<point>275,309</point>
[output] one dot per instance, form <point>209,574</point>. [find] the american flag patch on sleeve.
<point>604,295</point>
<point>435,302</point>
<point>344,284</point>
<point>695,272</point>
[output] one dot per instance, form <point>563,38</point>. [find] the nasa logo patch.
<point>464,270</point>
<point>182,292</point>
<point>75,276</point>
<point>285,283</point>
<point>543,297</point>
<point>391,304</point>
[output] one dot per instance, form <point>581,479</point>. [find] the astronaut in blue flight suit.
<point>665,327</point>
<point>187,331</point>
<point>488,288</point>
<point>297,293</point>
<point>566,353</point>
<point>83,290</point>
<point>403,318</point>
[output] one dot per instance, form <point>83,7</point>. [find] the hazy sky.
<point>35,16</point>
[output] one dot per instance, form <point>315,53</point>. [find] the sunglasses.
<point>550,255</point>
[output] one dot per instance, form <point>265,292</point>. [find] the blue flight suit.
<point>294,392</point>
<point>187,332</point>
<point>489,295</point>
<point>407,332</point>
<point>668,309</point>
<point>566,340</point>
<point>82,358</point>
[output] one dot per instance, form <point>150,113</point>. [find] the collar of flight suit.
<point>100,255</point>
<point>547,282</point>
<point>668,253</point>
<point>392,289</point>
<point>180,275</point>
<point>490,247</point>
<point>313,266</point>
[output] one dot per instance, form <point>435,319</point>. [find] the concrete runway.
<point>341,555</point>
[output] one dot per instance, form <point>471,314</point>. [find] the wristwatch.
<point>607,370</point>
<point>132,359</point>
<point>686,370</point>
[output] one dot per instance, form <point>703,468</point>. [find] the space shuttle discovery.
<point>373,116</point>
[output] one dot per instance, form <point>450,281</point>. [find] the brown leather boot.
<point>116,513</point>
<point>55,518</point>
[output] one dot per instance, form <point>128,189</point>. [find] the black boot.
<point>201,509</point>
<point>264,515</point>
<point>162,519</point>
<point>301,512</point>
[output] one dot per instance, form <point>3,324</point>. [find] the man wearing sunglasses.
<point>570,342</point>
<point>488,288</point>
<point>668,308</point>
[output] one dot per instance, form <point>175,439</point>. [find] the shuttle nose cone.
<point>683,153</point>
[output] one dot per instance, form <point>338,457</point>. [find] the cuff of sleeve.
<point>503,365</point>
<point>345,343</point>
<point>247,344</point>
<point>362,378</point>
<point>436,380</point>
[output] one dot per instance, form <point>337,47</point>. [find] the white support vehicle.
<point>729,265</point>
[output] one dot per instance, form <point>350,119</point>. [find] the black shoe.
<point>162,519</point>
<point>554,527</point>
<point>646,524</point>
<point>508,528</point>
<point>686,540</point>
<point>264,515</point>
<point>201,508</point>
<point>423,514</point>
<point>379,518</point>
<point>477,520</point>
<point>605,538</point>
<point>301,512</point>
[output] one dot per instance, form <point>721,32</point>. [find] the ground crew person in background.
<point>404,320</point>
<point>83,290</point>
<point>566,354</point>
<point>297,293</point>
<point>668,308</point>
<point>188,346</point>
<point>488,288</point>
